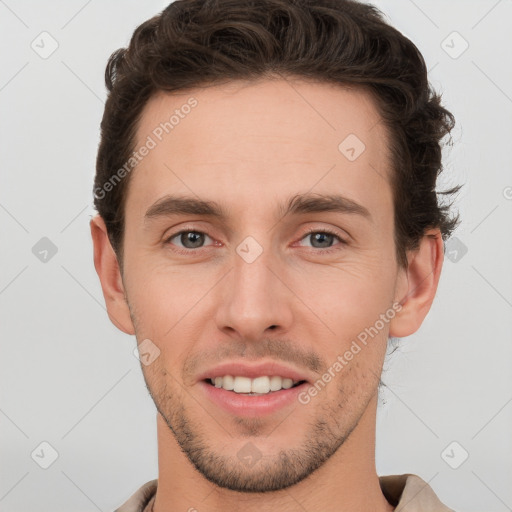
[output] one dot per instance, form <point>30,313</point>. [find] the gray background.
<point>70,379</point>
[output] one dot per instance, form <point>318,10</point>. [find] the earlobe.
<point>107,268</point>
<point>417,285</point>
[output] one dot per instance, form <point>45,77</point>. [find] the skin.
<point>250,146</point>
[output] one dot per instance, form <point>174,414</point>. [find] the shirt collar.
<point>407,493</point>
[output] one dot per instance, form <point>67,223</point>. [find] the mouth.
<point>246,397</point>
<point>259,386</point>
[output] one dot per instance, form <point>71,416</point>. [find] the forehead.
<point>246,137</point>
<point>268,108</point>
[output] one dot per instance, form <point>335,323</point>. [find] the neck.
<point>347,481</point>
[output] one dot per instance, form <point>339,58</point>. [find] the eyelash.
<point>309,232</point>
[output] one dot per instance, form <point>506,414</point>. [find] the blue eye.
<point>189,239</point>
<point>325,236</point>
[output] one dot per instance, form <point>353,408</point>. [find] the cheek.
<point>350,301</point>
<point>161,296</point>
<point>348,296</point>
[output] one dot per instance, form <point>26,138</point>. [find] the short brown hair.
<point>201,42</point>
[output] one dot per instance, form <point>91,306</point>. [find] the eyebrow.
<point>299,204</point>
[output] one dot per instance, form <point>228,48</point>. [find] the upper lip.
<point>243,369</point>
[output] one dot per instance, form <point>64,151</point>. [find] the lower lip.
<point>252,405</point>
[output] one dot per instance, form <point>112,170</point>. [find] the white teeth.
<point>242,385</point>
<point>275,383</point>
<point>287,383</point>
<point>228,382</point>
<point>259,385</point>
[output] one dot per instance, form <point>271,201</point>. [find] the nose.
<point>255,299</point>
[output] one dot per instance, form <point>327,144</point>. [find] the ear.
<point>417,285</point>
<point>107,267</point>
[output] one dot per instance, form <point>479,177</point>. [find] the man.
<point>268,219</point>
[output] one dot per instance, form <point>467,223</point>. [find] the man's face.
<point>255,287</point>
